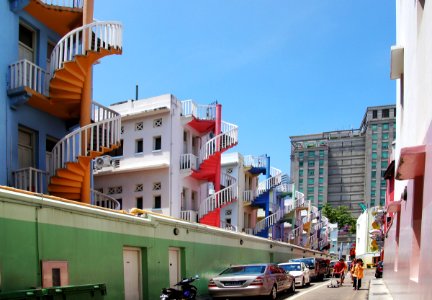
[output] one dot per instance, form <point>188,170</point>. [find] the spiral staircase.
<point>65,92</point>
<point>207,119</point>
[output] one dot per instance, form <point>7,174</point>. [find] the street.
<point>320,291</point>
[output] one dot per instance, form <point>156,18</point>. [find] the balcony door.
<point>27,43</point>
<point>26,148</point>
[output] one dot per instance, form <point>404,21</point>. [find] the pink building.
<point>408,246</point>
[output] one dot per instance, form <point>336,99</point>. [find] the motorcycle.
<point>186,290</point>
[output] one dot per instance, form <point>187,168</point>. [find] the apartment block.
<point>345,167</point>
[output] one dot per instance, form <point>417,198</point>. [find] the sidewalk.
<point>378,290</point>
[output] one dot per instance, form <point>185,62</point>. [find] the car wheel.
<point>292,290</point>
<point>273,293</point>
<point>309,281</point>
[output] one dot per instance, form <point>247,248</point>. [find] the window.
<point>120,200</point>
<point>385,126</point>
<point>373,165</point>
<point>122,130</point>
<point>157,186</point>
<point>311,172</point>
<point>157,202</point>
<point>374,155</point>
<point>373,183</point>
<point>321,162</point>
<point>301,163</point>
<point>311,181</point>
<point>310,190</point>
<point>310,197</point>
<point>301,181</point>
<point>311,153</point>
<point>385,113</point>
<point>311,163</point>
<point>383,183</point>
<point>385,136</point>
<point>385,145</point>
<point>157,143</point>
<point>115,190</point>
<point>384,154</point>
<point>321,180</point>
<point>374,127</point>
<point>300,173</point>
<point>374,136</point>
<point>321,171</point>
<point>139,202</point>
<point>373,193</point>
<point>139,126</point>
<point>384,164</point>
<point>374,146</point>
<point>139,187</point>
<point>27,43</point>
<point>320,198</point>
<point>26,147</point>
<point>157,122</point>
<point>374,114</point>
<point>320,189</point>
<point>373,174</point>
<point>301,154</point>
<point>139,146</point>
<point>321,153</point>
<point>372,203</point>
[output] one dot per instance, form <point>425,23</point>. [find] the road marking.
<point>309,290</point>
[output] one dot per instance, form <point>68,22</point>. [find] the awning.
<point>411,162</point>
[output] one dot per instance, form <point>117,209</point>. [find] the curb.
<point>378,290</point>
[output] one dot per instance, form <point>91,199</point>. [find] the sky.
<point>279,68</point>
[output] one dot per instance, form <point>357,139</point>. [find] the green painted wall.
<point>92,241</point>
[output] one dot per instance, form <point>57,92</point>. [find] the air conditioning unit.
<point>103,161</point>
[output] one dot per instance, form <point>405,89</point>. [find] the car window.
<point>244,270</point>
<point>291,267</point>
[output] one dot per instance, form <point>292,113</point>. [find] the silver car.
<point>251,280</point>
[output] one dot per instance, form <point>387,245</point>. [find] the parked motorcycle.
<point>186,290</point>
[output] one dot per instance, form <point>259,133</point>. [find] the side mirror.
<point>196,276</point>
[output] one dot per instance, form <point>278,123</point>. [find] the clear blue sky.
<point>278,67</point>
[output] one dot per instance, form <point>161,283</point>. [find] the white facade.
<point>155,135</point>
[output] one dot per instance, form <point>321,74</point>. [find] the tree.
<point>341,216</point>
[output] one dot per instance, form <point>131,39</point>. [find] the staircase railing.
<point>102,200</point>
<point>90,37</point>
<point>202,112</point>
<point>267,184</point>
<point>218,199</point>
<point>65,3</point>
<point>24,73</point>
<point>228,138</point>
<point>104,133</point>
<point>248,196</point>
<point>269,221</point>
<point>227,179</point>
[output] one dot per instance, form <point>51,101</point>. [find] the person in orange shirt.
<point>358,274</point>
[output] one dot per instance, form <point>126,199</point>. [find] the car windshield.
<point>307,261</point>
<point>243,270</point>
<point>291,267</point>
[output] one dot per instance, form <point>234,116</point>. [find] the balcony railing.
<point>30,179</point>
<point>189,215</point>
<point>188,161</point>
<point>24,73</point>
<point>202,112</point>
<point>65,3</point>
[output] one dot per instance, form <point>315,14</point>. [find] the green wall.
<point>92,240</point>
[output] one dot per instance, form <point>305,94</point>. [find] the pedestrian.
<point>339,270</point>
<point>359,274</point>
<point>351,270</point>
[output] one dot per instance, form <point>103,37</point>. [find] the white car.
<point>299,271</point>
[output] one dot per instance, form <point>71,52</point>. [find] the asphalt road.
<point>321,291</point>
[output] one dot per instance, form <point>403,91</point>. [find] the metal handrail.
<point>218,199</point>
<point>25,73</point>
<point>107,35</point>
<point>65,3</point>
<point>202,112</point>
<point>30,179</point>
<point>103,200</point>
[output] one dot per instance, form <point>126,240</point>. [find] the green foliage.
<point>341,216</point>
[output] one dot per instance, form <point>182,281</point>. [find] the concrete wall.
<point>91,240</point>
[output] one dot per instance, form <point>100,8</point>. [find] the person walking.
<point>352,267</point>
<point>359,274</point>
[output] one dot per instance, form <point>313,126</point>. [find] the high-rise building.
<point>345,167</point>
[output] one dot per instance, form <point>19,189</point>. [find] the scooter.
<point>187,291</point>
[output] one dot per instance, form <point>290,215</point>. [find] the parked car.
<point>251,280</point>
<point>318,267</point>
<point>379,269</point>
<point>299,271</point>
